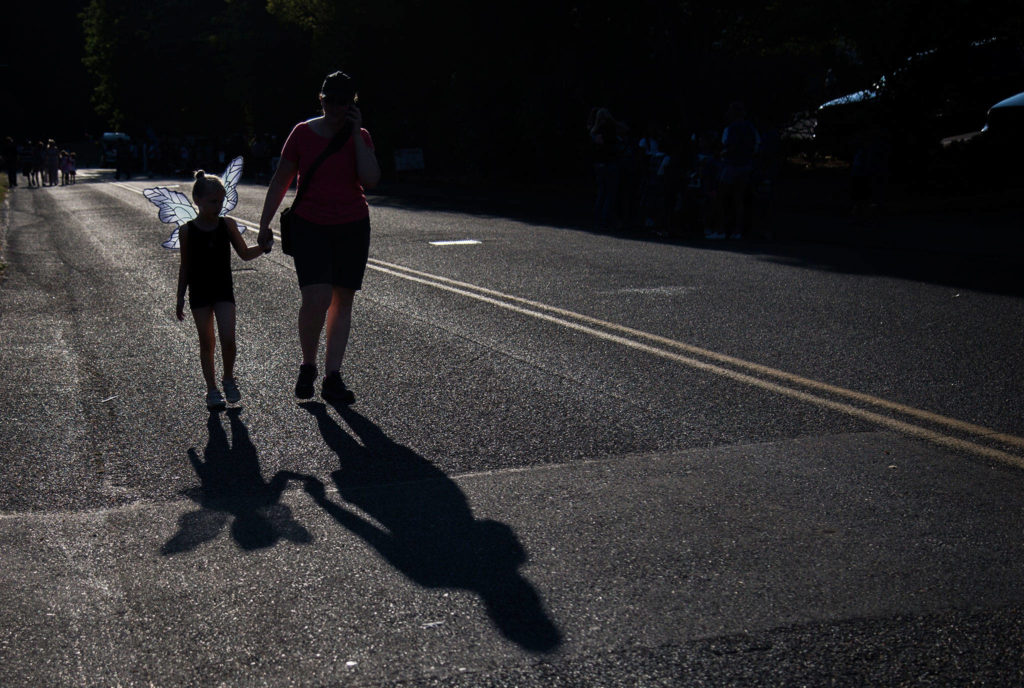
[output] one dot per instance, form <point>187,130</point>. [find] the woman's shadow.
<point>426,529</point>
<point>232,486</point>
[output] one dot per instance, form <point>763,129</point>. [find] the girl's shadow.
<point>231,485</point>
<point>423,526</point>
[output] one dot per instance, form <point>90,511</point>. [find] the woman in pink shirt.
<point>331,228</point>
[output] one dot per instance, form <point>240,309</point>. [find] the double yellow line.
<point>753,374</point>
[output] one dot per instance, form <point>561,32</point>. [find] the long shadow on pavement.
<point>232,488</point>
<point>426,528</point>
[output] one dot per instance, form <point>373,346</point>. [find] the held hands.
<point>265,239</point>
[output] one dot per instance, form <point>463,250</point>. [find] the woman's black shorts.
<point>331,254</point>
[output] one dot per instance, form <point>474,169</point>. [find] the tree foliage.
<point>489,88</point>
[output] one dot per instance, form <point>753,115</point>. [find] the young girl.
<point>206,272</point>
<point>65,168</point>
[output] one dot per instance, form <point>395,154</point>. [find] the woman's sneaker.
<point>214,401</point>
<point>304,385</point>
<point>334,389</point>
<point>231,392</point>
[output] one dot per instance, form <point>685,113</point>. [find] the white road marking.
<point>636,340</point>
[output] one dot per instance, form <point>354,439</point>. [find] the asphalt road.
<point>575,459</point>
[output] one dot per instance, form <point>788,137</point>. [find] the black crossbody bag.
<point>287,215</point>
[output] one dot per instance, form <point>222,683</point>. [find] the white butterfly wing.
<point>231,177</point>
<point>174,208</point>
<point>172,242</point>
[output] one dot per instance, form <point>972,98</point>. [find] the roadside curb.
<point>981,231</point>
<point>5,215</point>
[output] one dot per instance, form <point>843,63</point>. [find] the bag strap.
<point>339,140</point>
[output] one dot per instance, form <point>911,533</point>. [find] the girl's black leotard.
<point>209,265</point>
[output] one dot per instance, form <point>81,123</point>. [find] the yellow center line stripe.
<point>508,302</point>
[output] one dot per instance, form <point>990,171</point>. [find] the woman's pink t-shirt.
<point>335,195</point>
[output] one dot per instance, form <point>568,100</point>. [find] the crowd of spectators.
<point>180,155</point>
<point>714,182</point>
<point>44,163</point>
<point>41,163</point>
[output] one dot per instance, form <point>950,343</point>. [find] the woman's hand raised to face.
<point>354,117</point>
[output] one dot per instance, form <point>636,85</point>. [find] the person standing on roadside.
<point>38,177</point>
<point>10,156</point>
<point>606,143</point>
<point>26,159</point>
<point>52,157</point>
<point>740,145</point>
<point>330,227</point>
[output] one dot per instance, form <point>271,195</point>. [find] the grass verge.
<point>3,232</point>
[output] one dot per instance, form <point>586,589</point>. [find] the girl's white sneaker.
<point>214,401</point>
<point>231,392</point>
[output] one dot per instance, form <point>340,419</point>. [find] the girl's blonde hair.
<point>205,183</point>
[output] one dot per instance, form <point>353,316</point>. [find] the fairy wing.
<point>231,176</point>
<point>172,242</point>
<point>174,208</point>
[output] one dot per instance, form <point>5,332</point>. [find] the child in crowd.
<point>205,271</point>
<point>704,183</point>
<point>65,168</point>
<point>38,177</point>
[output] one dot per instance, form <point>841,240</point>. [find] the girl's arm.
<point>244,251</point>
<point>182,272</point>
<point>283,177</point>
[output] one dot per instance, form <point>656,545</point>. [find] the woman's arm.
<point>244,251</point>
<point>283,177</point>
<point>182,272</point>
<point>367,167</point>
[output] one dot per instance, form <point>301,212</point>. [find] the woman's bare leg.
<point>316,299</point>
<point>339,325</point>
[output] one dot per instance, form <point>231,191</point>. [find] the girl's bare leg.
<point>225,314</point>
<point>207,344</point>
